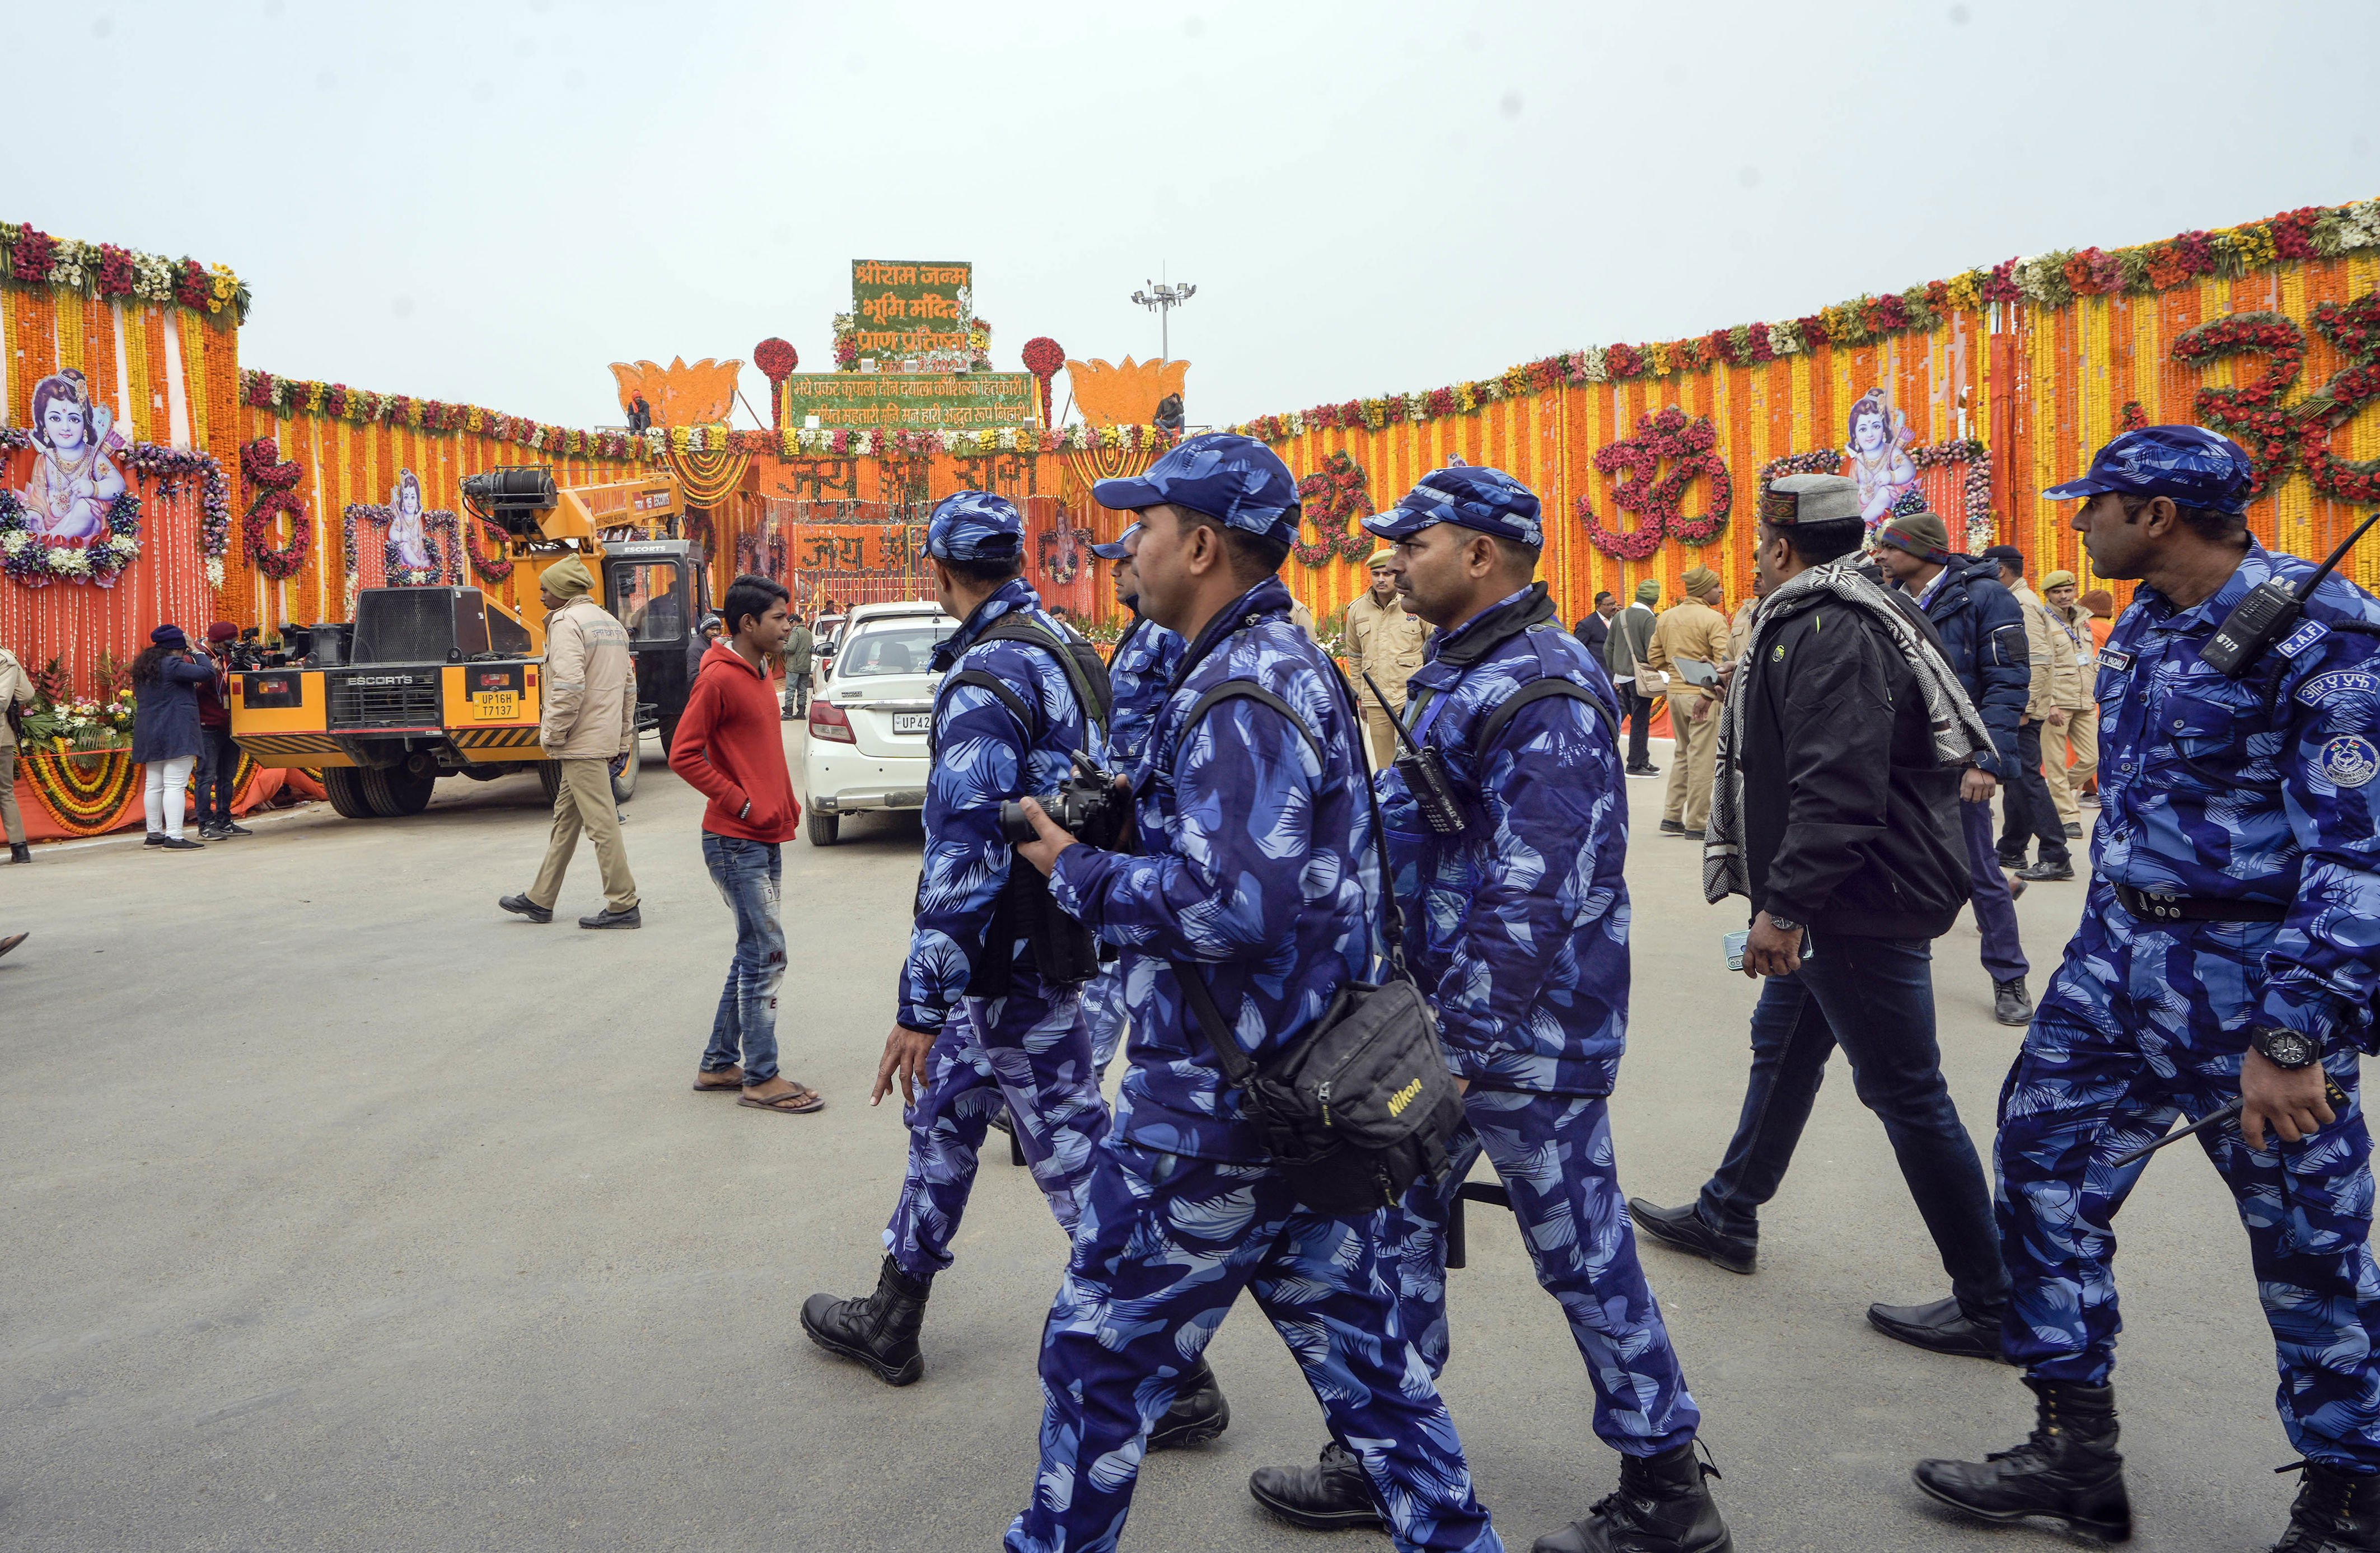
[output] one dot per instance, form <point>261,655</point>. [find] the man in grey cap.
<point>1835,814</point>
<point>1631,638</point>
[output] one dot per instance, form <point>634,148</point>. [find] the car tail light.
<point>827,721</point>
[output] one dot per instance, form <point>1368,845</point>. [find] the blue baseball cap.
<point>1236,480</point>
<point>2190,464</point>
<point>1469,496</point>
<point>1121,548</point>
<point>974,526</point>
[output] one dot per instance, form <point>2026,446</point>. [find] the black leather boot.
<point>880,1332</point>
<point>1662,1506</point>
<point>2336,1511</point>
<point>1330,1496</point>
<point>20,851</point>
<point>2067,1470</point>
<point>1198,1413</point>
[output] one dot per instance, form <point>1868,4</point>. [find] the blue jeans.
<point>1875,999</point>
<point>745,1027</point>
<point>1995,908</point>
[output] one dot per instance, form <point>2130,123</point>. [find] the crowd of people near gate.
<point>1287,845</point>
<point>1292,842</point>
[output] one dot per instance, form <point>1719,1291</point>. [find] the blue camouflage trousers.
<point>1163,1248</point>
<point>1104,1011</point>
<point>1029,1052</point>
<point>2142,1024</point>
<point>1554,1154</point>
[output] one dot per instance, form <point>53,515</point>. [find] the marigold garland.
<point>259,461</point>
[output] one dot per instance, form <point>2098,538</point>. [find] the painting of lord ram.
<point>1878,458</point>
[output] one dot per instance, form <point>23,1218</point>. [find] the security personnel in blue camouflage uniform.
<point>979,1024</point>
<point>1140,671</point>
<point>1258,870</point>
<point>2226,952</point>
<point>1525,953</point>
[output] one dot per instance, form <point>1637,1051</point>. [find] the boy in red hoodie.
<point>730,746</point>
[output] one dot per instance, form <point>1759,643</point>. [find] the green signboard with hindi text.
<point>905,307</point>
<point>911,401</point>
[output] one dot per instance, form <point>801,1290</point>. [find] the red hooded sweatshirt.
<point>731,745</point>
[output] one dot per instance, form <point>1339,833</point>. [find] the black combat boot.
<point>880,1332</point>
<point>2336,1512</point>
<point>1198,1413</point>
<point>20,851</point>
<point>1333,1494</point>
<point>1662,1506</point>
<point>2067,1470</point>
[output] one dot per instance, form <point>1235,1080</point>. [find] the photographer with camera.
<point>1510,846</point>
<point>991,994</point>
<point>2227,955</point>
<point>165,739</point>
<point>1140,670</point>
<point>1251,920</point>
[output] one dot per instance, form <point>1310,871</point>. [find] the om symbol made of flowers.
<point>2355,331</point>
<point>2253,413</point>
<point>1332,494</point>
<point>1689,446</point>
<point>259,461</point>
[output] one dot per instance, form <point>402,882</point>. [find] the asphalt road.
<point>341,1211</point>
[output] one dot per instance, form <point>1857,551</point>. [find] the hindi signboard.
<point>907,308</point>
<point>911,401</point>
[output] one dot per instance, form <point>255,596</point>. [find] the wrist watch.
<point>1783,923</point>
<point>2286,1050</point>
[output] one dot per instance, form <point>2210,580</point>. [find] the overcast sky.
<point>490,201</point>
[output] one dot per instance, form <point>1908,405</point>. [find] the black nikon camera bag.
<point>1363,1105</point>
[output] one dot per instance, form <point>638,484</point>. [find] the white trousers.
<point>168,790</point>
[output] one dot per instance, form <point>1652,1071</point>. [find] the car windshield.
<point>902,647</point>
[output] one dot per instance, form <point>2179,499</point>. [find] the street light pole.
<point>1161,299</point>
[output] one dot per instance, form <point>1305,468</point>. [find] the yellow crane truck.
<point>432,682</point>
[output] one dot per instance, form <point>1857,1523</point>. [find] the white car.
<point>868,719</point>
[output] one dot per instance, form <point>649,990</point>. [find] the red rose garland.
<point>2355,331</point>
<point>1332,494</point>
<point>1043,357</point>
<point>260,462</point>
<point>776,358</point>
<point>2252,414</point>
<point>489,568</point>
<point>1689,447</point>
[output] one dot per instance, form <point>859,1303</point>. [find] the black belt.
<point>2189,908</point>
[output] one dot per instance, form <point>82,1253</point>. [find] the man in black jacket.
<point>1839,821</point>
<point>1981,628</point>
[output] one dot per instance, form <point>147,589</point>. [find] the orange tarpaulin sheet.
<point>41,825</point>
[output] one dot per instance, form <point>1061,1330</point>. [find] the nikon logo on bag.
<point>1403,1098</point>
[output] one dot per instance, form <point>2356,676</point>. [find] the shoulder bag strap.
<point>984,680</point>
<point>1029,632</point>
<point>1538,690</point>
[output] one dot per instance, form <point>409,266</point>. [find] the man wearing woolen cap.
<point>1691,630</point>
<point>1982,633</point>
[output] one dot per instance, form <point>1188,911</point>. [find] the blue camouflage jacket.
<point>1259,867</point>
<point>1518,927</point>
<point>2253,790</point>
<point>983,758</point>
<point>1141,669</point>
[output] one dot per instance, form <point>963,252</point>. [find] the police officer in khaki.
<point>1385,642</point>
<point>1693,629</point>
<point>589,717</point>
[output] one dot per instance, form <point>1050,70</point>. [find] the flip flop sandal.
<point>801,1102</point>
<point>732,1086</point>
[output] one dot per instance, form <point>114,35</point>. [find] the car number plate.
<point>495,706</point>
<point>912,722</point>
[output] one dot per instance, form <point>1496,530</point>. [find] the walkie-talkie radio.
<point>2270,608</point>
<point>1424,772</point>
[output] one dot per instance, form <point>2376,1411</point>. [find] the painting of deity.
<point>74,481</point>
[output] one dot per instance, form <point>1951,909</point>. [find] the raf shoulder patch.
<point>2349,761</point>
<point>2305,637</point>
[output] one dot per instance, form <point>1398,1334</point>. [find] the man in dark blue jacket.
<point>1983,636</point>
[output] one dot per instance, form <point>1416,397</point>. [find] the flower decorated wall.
<point>2009,379</point>
<point>353,459</point>
<point>156,343</point>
